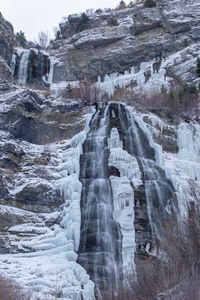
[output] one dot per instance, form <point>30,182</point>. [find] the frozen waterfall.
<point>126,198</point>
<point>100,244</point>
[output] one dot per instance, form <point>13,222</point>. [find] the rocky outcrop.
<point>140,35</point>
<point>6,39</point>
<point>5,71</point>
<point>30,122</point>
<point>38,120</point>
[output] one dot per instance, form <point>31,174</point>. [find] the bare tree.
<point>43,38</point>
<point>9,290</point>
<point>88,92</point>
<point>175,274</point>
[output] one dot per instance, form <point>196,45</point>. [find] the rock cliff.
<point>138,35</point>
<point>6,48</point>
<point>6,39</point>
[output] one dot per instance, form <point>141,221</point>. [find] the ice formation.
<point>149,78</point>
<point>49,266</point>
<point>157,79</point>
<point>123,196</point>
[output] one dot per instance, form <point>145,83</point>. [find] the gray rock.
<point>33,119</point>
<point>38,198</point>
<point>6,39</point>
<point>142,35</point>
<point>5,71</point>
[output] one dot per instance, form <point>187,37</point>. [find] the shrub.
<point>69,88</point>
<point>175,273</point>
<point>83,23</point>
<point>190,89</point>
<point>113,22</point>
<point>99,11</point>
<point>149,3</point>
<point>181,101</point>
<point>163,89</point>
<point>86,92</point>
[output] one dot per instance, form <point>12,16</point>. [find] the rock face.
<point>141,35</point>
<point>6,39</point>
<point>5,71</point>
<point>29,123</point>
<point>39,121</point>
<point>6,48</point>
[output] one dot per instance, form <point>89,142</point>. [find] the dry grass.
<point>180,101</point>
<point>10,291</point>
<point>37,86</point>
<point>87,92</point>
<point>176,274</point>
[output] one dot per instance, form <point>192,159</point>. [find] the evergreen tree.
<point>58,35</point>
<point>131,4</point>
<point>198,66</point>
<point>69,88</point>
<point>83,23</point>
<point>21,39</point>
<point>149,3</point>
<point>122,4</point>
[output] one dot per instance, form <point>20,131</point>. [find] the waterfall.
<point>23,67</point>
<point>100,244</point>
<point>32,66</point>
<point>159,192</point>
<point>115,140</point>
<point>50,75</point>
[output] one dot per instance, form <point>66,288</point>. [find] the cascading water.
<point>100,244</point>
<point>32,66</point>
<point>23,67</point>
<point>160,196</point>
<point>103,237</point>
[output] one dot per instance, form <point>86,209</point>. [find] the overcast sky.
<point>33,16</point>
